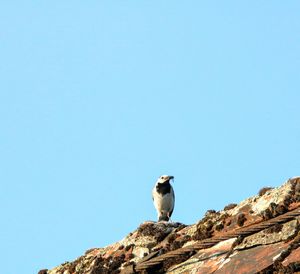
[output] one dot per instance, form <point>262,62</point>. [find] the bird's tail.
<point>163,217</point>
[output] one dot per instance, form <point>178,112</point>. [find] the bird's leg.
<point>168,214</point>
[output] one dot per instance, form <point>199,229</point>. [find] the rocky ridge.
<point>275,249</point>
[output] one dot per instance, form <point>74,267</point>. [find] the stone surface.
<point>251,260</point>
<point>205,261</point>
<point>268,236</point>
<point>293,257</point>
<point>272,250</point>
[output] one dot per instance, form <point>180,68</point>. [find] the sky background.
<point>99,98</point>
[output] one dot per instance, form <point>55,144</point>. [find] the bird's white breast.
<point>163,202</point>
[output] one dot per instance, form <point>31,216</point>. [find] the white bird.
<point>163,197</point>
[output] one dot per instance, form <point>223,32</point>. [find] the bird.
<point>163,197</point>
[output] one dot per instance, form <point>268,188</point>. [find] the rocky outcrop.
<point>260,235</point>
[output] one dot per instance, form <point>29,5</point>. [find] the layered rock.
<point>275,249</point>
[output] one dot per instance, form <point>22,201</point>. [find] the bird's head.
<point>164,179</point>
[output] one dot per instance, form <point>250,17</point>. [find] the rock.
<point>270,250</point>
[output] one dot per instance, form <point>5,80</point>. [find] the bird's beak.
<point>171,177</point>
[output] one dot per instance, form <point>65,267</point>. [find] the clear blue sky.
<point>99,98</point>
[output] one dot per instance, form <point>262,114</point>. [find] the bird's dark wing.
<point>173,195</point>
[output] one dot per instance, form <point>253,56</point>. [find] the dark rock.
<point>264,190</point>
<point>241,219</point>
<point>230,206</point>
